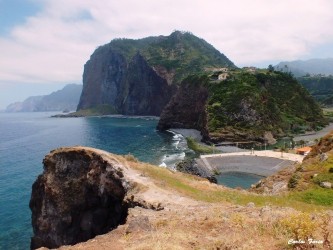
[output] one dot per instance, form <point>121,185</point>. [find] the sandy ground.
<point>264,153</point>
<point>315,135</point>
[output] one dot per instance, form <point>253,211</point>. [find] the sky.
<point>44,44</point>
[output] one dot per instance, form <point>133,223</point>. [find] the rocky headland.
<point>189,84</point>
<point>248,106</point>
<point>138,77</point>
<point>83,192</point>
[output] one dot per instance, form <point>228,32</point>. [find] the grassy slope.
<point>200,189</point>
<point>180,52</point>
<point>321,87</point>
<point>265,101</point>
<point>217,219</point>
<point>199,148</point>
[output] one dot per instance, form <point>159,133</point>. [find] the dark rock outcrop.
<point>146,92</point>
<point>190,166</point>
<point>138,77</point>
<point>186,109</point>
<point>246,107</point>
<point>129,87</point>
<point>79,195</point>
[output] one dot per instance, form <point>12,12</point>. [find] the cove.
<point>238,179</point>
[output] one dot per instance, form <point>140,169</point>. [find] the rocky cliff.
<point>138,77</point>
<point>78,196</point>
<point>84,192</point>
<point>247,106</point>
<point>187,108</point>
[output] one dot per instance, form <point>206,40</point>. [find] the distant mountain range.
<point>64,99</point>
<point>312,67</point>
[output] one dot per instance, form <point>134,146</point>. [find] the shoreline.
<point>73,115</point>
<point>187,132</point>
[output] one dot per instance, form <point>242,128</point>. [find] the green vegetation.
<point>199,148</point>
<point>254,102</point>
<point>328,113</point>
<point>98,110</point>
<point>189,186</point>
<point>315,195</point>
<point>320,87</point>
<point>293,181</point>
<point>181,53</point>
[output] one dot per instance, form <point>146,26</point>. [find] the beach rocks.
<point>190,166</point>
<point>139,224</point>
<point>325,184</point>
<point>78,196</point>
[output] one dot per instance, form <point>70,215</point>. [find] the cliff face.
<point>79,195</point>
<point>138,77</point>
<point>145,91</point>
<point>128,87</point>
<point>186,109</point>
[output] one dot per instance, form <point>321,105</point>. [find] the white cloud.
<point>53,46</point>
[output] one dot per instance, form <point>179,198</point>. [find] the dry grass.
<point>216,218</point>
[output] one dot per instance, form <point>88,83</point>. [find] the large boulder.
<point>79,195</point>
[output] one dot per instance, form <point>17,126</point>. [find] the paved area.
<point>262,163</point>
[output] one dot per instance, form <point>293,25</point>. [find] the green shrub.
<point>198,148</point>
<point>293,181</point>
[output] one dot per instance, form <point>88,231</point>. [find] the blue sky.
<point>15,12</point>
<point>44,44</point>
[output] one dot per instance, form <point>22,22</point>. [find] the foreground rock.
<point>79,195</point>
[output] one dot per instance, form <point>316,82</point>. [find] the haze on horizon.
<point>44,44</point>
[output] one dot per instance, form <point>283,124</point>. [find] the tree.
<point>270,68</point>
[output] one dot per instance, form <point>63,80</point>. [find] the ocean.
<point>25,138</point>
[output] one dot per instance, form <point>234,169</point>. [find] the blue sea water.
<point>25,138</point>
<point>237,179</point>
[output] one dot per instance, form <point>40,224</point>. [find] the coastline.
<point>73,115</point>
<point>234,159</point>
<point>195,134</point>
